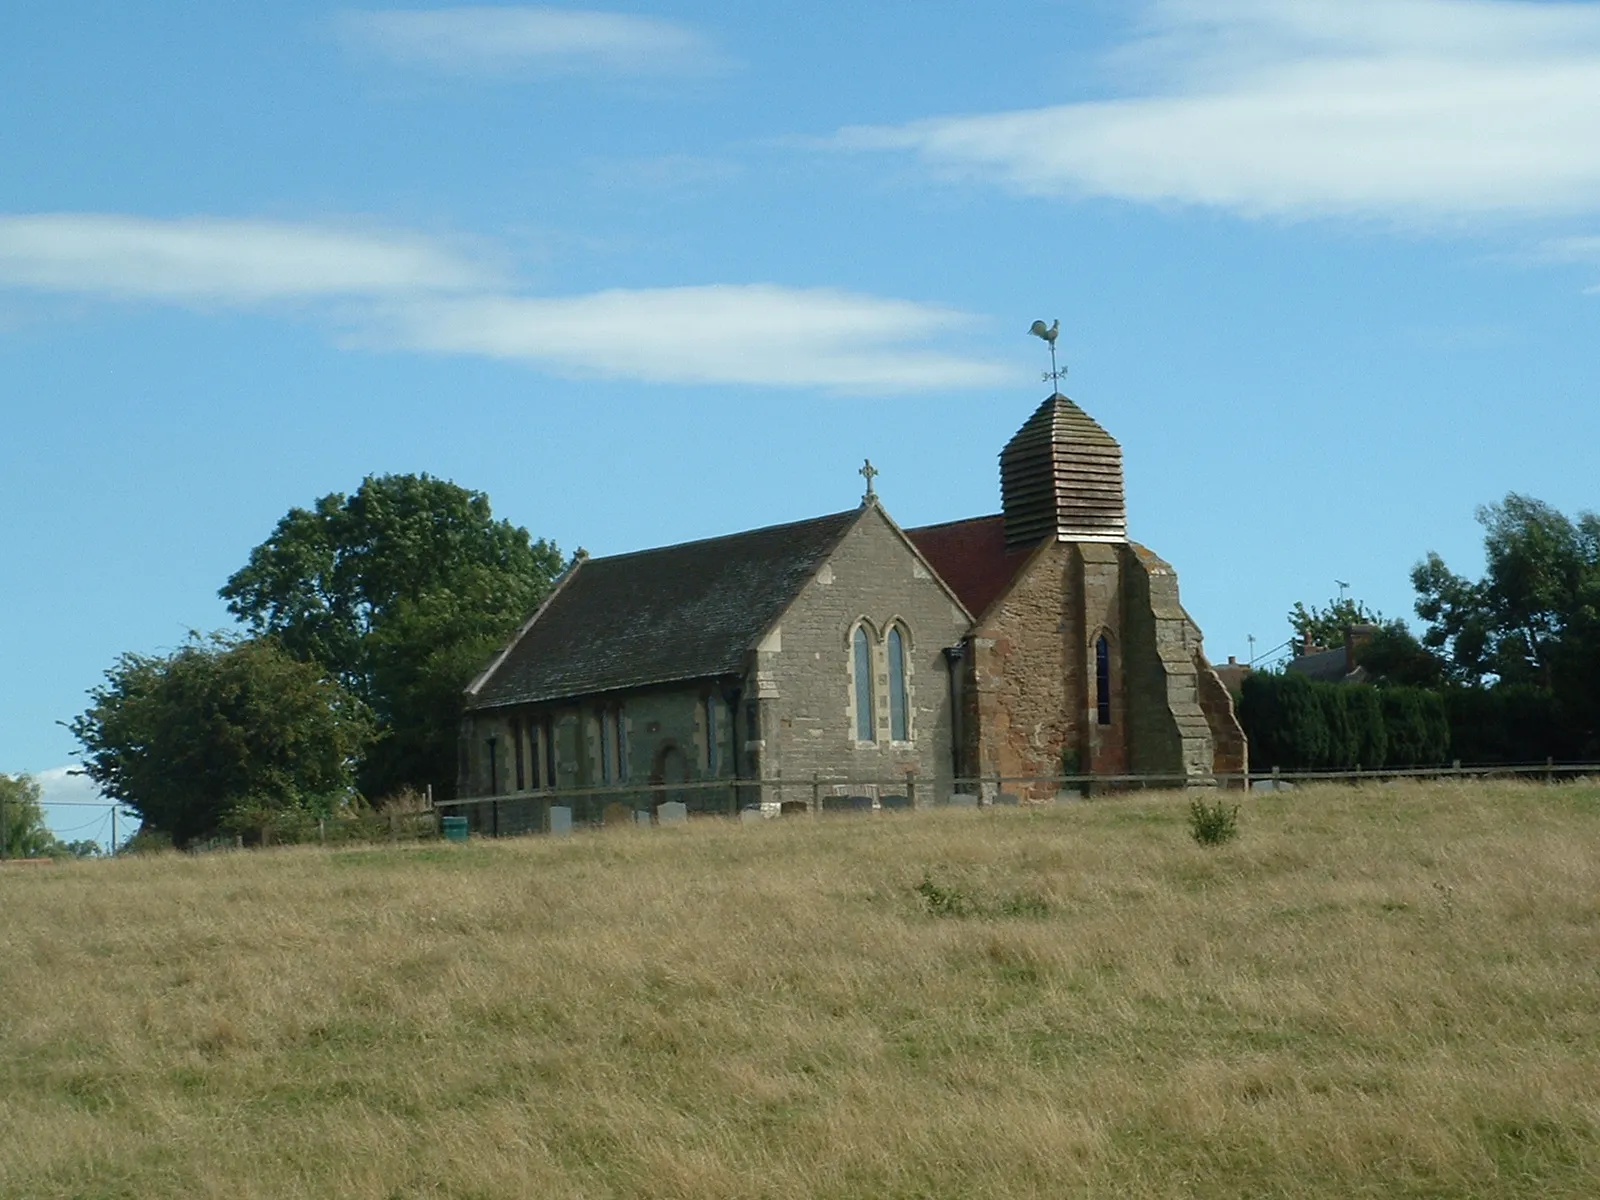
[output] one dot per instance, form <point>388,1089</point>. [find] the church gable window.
<point>1102,680</point>
<point>861,654</point>
<point>899,709</point>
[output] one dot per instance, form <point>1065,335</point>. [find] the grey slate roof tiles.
<point>660,616</point>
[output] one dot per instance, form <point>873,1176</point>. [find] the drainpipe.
<point>953,656</point>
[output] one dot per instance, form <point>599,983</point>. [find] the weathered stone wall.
<point>1099,599</point>
<point>1027,686</point>
<point>664,739</point>
<point>803,671</point>
<point>1230,749</point>
<point>1168,731</point>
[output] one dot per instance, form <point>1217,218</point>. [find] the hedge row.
<point>1301,725</point>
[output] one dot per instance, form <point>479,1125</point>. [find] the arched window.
<point>861,652</point>
<point>1102,680</point>
<point>899,723</point>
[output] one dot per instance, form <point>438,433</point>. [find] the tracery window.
<point>861,652</point>
<point>899,710</point>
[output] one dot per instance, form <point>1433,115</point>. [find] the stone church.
<point>846,656</point>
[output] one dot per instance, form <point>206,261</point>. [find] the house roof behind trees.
<point>659,616</point>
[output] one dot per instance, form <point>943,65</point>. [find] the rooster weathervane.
<point>1048,333</point>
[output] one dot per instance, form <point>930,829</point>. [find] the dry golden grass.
<point>1392,991</point>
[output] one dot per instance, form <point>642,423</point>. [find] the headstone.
<point>747,815</point>
<point>616,813</point>
<point>963,800</point>
<point>642,817</point>
<point>560,819</point>
<point>1007,800</point>
<point>836,804</point>
<point>860,803</point>
<point>895,803</point>
<point>673,812</point>
<point>793,808</point>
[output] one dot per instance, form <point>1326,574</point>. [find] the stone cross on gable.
<point>869,473</point>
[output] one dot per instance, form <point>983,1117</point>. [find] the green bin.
<point>454,828</point>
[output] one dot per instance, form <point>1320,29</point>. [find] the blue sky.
<point>1329,271</point>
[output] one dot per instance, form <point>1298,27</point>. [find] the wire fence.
<point>558,812</point>
<point>639,804</point>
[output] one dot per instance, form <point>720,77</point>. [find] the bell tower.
<point>1061,478</point>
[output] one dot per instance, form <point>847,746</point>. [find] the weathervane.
<point>869,473</point>
<point>1039,330</point>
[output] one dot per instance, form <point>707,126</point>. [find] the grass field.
<point>1392,991</point>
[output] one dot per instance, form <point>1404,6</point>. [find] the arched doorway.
<point>671,767</point>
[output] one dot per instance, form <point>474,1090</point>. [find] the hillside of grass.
<point>1391,991</point>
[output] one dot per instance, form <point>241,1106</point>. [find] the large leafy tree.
<point>1324,626</point>
<point>223,734</point>
<point>1533,620</point>
<point>402,591</point>
<point>23,832</point>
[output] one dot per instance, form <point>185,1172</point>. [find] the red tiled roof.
<point>971,557</point>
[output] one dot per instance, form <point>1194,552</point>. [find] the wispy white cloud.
<point>404,292</point>
<point>551,41</point>
<point>65,785</point>
<point>721,333</point>
<point>1409,110</point>
<point>215,261</point>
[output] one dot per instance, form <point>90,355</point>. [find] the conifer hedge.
<point>1299,724</point>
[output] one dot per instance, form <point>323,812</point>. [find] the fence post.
<point>5,833</point>
<point>816,793</point>
<point>1456,768</point>
<point>1276,778</point>
<point>911,790</point>
<point>1549,767</point>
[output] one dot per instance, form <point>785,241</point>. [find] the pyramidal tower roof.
<point>1061,477</point>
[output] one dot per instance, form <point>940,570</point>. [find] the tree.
<point>1394,656</point>
<point>1534,617</point>
<point>23,832</point>
<point>402,591</point>
<point>1325,626</point>
<point>224,734</point>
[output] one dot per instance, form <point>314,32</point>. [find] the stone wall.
<point>1026,685</point>
<point>803,671</point>
<point>664,737</point>
<point>1230,749</point>
<point>1168,730</point>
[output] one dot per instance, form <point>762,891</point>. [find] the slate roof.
<point>971,557</point>
<point>1328,666</point>
<point>660,616</point>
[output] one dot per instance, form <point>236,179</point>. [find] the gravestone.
<point>1007,800</point>
<point>747,815</point>
<point>642,817</point>
<point>616,814</point>
<point>673,812</point>
<point>895,803</point>
<point>963,800</point>
<point>560,819</point>
<point>836,804</point>
<point>860,803</point>
<point>793,808</point>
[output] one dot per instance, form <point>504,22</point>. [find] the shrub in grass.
<point>1212,824</point>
